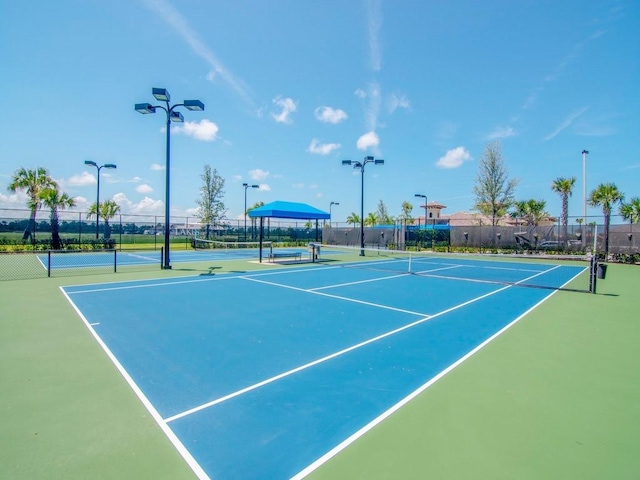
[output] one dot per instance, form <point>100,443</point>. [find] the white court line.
<point>336,354</point>
<point>374,279</point>
<point>314,292</point>
<point>143,257</point>
<point>197,469</point>
<point>344,444</point>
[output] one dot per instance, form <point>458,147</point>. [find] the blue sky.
<point>293,87</point>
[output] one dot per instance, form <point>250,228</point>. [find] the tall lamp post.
<point>331,205</point>
<point>361,165</point>
<point>425,211</point>
<point>246,185</point>
<point>98,167</point>
<point>162,95</point>
<point>584,194</point>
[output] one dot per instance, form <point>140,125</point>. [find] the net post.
<point>115,260</point>
<point>161,256</point>
<point>49,263</point>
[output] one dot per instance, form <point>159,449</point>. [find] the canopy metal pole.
<point>261,236</point>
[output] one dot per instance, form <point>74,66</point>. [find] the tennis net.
<point>505,270</point>
<point>234,248</point>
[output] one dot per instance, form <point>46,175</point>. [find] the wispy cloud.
<point>322,149</point>
<point>330,115</point>
<point>180,25</point>
<point>371,104</point>
<point>374,22</point>
<point>566,122</point>
<point>156,167</point>
<point>398,100</point>
<point>454,158</point>
<point>204,130</point>
<point>501,132</point>
<point>258,174</point>
<point>287,107</point>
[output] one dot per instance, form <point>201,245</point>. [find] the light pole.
<point>584,194</point>
<point>161,94</point>
<point>361,165</point>
<point>246,185</point>
<point>425,211</point>
<point>331,205</point>
<point>106,165</point>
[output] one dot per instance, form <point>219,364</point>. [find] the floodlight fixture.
<point>361,165</point>
<point>161,94</point>
<point>145,108</point>
<point>177,117</point>
<point>98,168</point>
<point>194,105</point>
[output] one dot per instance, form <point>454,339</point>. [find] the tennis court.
<point>269,374</point>
<point>96,259</point>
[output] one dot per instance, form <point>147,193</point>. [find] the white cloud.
<point>157,167</point>
<point>85,178</point>
<point>330,115</point>
<point>264,187</point>
<point>398,101</point>
<point>288,106</point>
<point>14,200</point>
<point>204,130</point>
<point>368,140</point>
<point>297,186</point>
<point>501,132</point>
<point>147,206</point>
<point>144,188</point>
<point>322,149</point>
<point>454,158</point>
<point>566,122</point>
<point>360,93</point>
<point>258,174</point>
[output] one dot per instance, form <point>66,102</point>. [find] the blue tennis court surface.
<point>260,375</point>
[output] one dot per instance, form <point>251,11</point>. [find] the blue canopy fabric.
<point>293,210</point>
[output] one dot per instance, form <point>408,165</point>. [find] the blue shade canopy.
<point>299,211</point>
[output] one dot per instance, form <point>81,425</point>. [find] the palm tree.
<point>531,211</point>
<point>253,220</point>
<point>353,218</point>
<point>54,200</point>
<point>108,210</point>
<point>371,220</point>
<point>606,195</point>
<point>33,181</point>
<point>631,211</point>
<point>564,187</point>
<point>405,216</point>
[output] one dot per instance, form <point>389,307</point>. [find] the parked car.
<point>550,245</point>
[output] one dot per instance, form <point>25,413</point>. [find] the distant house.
<point>469,219</point>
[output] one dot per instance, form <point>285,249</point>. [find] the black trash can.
<point>602,270</point>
